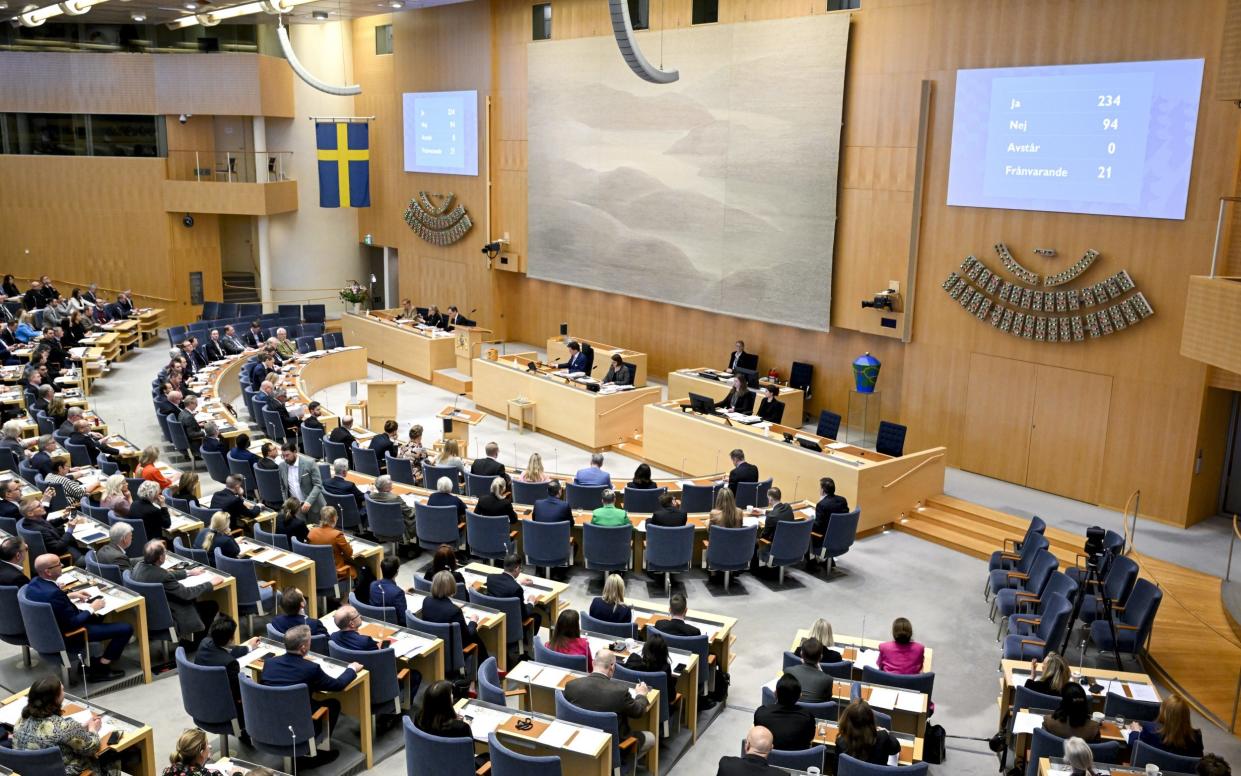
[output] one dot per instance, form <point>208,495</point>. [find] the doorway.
<point>1232,462</point>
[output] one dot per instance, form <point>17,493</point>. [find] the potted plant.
<point>353,295</point>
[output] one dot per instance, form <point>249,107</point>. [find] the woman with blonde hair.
<point>821,631</point>
<point>217,537</point>
<point>534,470</point>
<point>147,469</point>
<point>726,514</point>
<point>191,755</point>
<point>610,607</point>
<point>1053,675</point>
<point>438,607</point>
<point>186,488</point>
<point>1171,731</point>
<point>116,495</point>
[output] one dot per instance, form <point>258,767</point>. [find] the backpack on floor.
<point>935,746</point>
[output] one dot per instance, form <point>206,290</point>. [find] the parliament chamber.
<point>679,387</point>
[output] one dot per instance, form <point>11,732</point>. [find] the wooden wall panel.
<point>895,44</point>
<point>1068,432</point>
<point>995,439</point>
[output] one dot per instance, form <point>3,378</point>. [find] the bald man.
<point>347,622</point>
<point>69,618</point>
<point>754,761</point>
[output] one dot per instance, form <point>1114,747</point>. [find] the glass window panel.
<point>51,134</point>
<point>124,135</point>
<point>383,39</point>
<point>541,21</point>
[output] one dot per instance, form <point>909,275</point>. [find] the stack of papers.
<point>882,697</point>
<point>557,734</point>
<point>11,713</point>
<point>1026,722</point>
<point>484,720</point>
<point>89,533</point>
<point>407,644</point>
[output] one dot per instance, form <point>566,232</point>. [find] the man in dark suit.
<point>33,298</point>
<point>829,504</point>
<point>211,439</point>
<point>669,514</point>
<point>577,360</point>
<point>10,504</point>
<point>816,684</point>
<point>124,304</point>
<point>490,466</point>
<point>12,555</point>
<point>742,471</point>
<point>255,337</point>
<point>69,617</point>
<point>193,432</point>
<point>293,667</point>
<point>169,404</point>
<point>754,760</point>
<point>338,485</point>
<point>213,350</point>
<point>293,613</point>
<point>82,435</point>
<point>41,461</point>
<point>8,335</point>
<point>676,624</point>
<point>385,444</point>
<point>311,420</point>
<point>552,509</point>
<point>770,408</point>
<point>739,359</point>
<point>260,371</point>
<point>193,355</point>
<point>619,373</point>
<point>219,650</point>
<point>190,611</point>
<point>347,622</point>
<point>342,434</point>
<point>505,585</point>
<point>54,539</point>
<point>229,342</point>
<point>775,513</point>
<point>454,318</point>
<point>600,692</point>
<point>231,499</point>
<point>739,399</point>
<point>281,407</point>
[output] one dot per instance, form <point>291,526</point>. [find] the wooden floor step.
<point>957,532</point>
<point>1056,537</point>
<point>960,542</point>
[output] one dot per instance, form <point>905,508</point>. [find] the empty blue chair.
<point>202,514</point>
<point>12,629</point>
<point>643,499</point>
<point>181,442</point>
<point>305,344</point>
<point>489,688</point>
<point>386,520</point>
<point>400,469</point>
<point>390,688</point>
<point>526,492</point>
<point>1116,705</point>
<point>1144,753</point>
<point>207,698</point>
<point>607,548</point>
<point>46,424</point>
<point>333,339</point>
<point>1133,625</point>
<point>698,498</point>
<point>1006,557</point>
<point>1027,621</point>
<point>436,526</point>
<point>848,766</point>
<point>312,330</point>
<point>799,760</point>
<point>293,311</point>
<point>107,467</point>
<point>253,597</point>
<point>325,471</point>
<point>273,425</point>
<point>729,550</point>
<point>890,439</point>
<point>312,442</point>
<point>507,762</point>
<point>271,711</point>
<point>365,461</point>
<point>211,311</point>
<point>429,755</point>
<point>347,507</point>
<point>270,490</point>
<point>585,496</point>
<point>487,536</point>
<point>601,720</point>
<point>326,583</point>
<point>269,537</point>
<point>175,334</point>
<point>431,476</point>
<point>46,639</point>
<point>386,614</point>
<point>625,630</point>
<point>829,424</point>
<point>839,537</point>
<point>668,550</point>
<point>547,545</point>
<point>59,499</point>
<point>226,310</point>
<point>1122,573</point>
<point>545,654</point>
<point>106,570</point>
<point>478,485</point>
<point>999,579</point>
<point>1041,568</point>
<point>314,313</point>
<point>1046,637</point>
<point>752,494</point>
<point>187,551</point>
<point>33,762</point>
<point>789,545</point>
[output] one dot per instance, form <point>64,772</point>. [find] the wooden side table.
<point>521,407</point>
<point>359,405</point>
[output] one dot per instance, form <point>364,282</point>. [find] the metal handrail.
<point>1130,527</point>
<point>62,281</point>
<point>1236,534</point>
<point>922,463</point>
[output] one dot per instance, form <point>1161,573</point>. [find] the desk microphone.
<point>293,751</point>
<point>381,369</point>
<point>85,686</point>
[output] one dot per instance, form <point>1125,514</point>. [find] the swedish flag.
<point>344,164</point>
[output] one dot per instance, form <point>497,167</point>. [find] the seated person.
<point>34,517</point>
<point>534,470</point>
<point>44,725</point>
<point>770,408</point>
<point>1053,674</point>
<point>792,727</point>
<point>70,618</point>
<point>577,359</point>
<point>116,551</point>
<point>504,584</point>
<point>293,612</point>
<point>593,474</point>
<point>498,502</point>
<point>186,488</point>
<point>619,373</point>
<point>294,668</point>
<point>653,657</point>
<point>1171,731</point>
<point>610,607</point>
<point>642,478</point>
<point>444,497</point>
<point>291,521</point>
<point>753,759</point>
<point>231,500</point>
<point>339,485</point>
<point>438,715</point>
<point>742,471</point>
<point>902,655</point>
<point>552,509</point>
<point>489,465</point>
<point>149,507</point>
<point>822,631</point>
<point>566,637</point>
<point>1072,717</point>
<point>601,692</point>
<point>739,399</point>
<point>609,514</point>
<point>190,611</point>
<point>386,592</point>
<point>444,559</point>
<point>218,649</point>
<point>439,607</point>
<point>326,533</point>
<point>451,457</point>
<point>669,514</point>
<point>241,450</point>
<point>347,622</point>
<point>861,739</point>
<point>816,686</point>
<point>218,537</point>
<point>678,607</point>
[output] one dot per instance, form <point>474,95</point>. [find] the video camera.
<point>1094,548</point>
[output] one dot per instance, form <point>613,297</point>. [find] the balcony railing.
<point>230,166</point>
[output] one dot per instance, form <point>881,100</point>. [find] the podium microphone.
<point>382,364</point>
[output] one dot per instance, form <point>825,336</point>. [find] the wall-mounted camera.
<point>492,249</point>
<point>187,220</point>
<point>184,117</point>
<point>889,300</point>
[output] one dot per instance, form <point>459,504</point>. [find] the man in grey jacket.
<point>190,615</point>
<point>300,479</point>
<point>116,551</point>
<point>816,686</point>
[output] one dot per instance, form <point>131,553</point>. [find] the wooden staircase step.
<point>1056,537</point>
<point>979,538</point>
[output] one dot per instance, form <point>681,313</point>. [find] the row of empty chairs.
<point>310,313</point>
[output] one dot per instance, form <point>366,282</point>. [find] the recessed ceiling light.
<point>319,15</point>
<point>191,6</point>
<point>396,4</point>
<point>138,17</point>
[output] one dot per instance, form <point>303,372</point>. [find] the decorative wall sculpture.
<point>431,222</point>
<point>1025,310</point>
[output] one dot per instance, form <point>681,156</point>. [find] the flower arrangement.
<point>354,293</point>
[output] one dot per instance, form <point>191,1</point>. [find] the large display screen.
<point>441,132</point>
<point>1107,139</point>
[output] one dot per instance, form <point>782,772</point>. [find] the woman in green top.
<point>42,727</point>
<point>609,513</point>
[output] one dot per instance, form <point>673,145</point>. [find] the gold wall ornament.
<point>434,222</point>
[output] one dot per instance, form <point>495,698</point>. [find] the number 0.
<point>1111,148</point>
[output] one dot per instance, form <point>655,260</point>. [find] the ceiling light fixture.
<point>396,4</point>
<point>138,17</point>
<point>214,17</point>
<point>320,15</point>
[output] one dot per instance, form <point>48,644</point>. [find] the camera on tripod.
<point>1094,548</point>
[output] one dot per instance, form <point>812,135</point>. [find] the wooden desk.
<point>566,409</point>
<point>543,680</point>
<point>355,700</point>
<point>717,627</point>
<point>284,568</point>
<point>684,668</point>
<point>414,649</point>
<point>1057,767</point>
<point>541,593</point>
<point>911,746</point>
<point>884,489</point>
<point>459,422</point>
<point>491,629</point>
<point>223,584</point>
<point>106,341</point>
<point>148,319</point>
<point>404,347</point>
<point>908,708</point>
<point>848,647</point>
<point>137,742</point>
<point>367,552</point>
<point>558,351</point>
<point>586,751</point>
<point>683,382</point>
<point>1014,673</point>
<point>127,334</point>
<point>121,605</point>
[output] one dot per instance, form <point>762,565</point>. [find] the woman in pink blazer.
<point>902,655</point>
<point>567,637</point>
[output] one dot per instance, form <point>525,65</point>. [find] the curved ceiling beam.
<point>622,28</point>
<point>282,33</point>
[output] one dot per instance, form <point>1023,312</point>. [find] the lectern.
<point>381,402</point>
<point>469,341</point>
<point>457,424</point>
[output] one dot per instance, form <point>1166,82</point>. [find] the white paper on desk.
<point>11,713</point>
<point>524,672</point>
<point>557,734</point>
<point>883,698</point>
<point>1026,722</point>
<point>257,654</point>
<point>867,657</point>
<point>331,669</point>
<point>193,581</point>
<point>550,676</point>
<point>413,602</point>
<point>88,534</point>
<point>587,740</point>
<point>749,521</point>
<point>180,521</point>
<point>407,644</point>
<point>1141,691</point>
<point>909,701</point>
<point>837,445</point>
<point>484,720</point>
<point>265,556</point>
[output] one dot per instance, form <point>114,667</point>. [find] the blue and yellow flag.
<point>344,164</point>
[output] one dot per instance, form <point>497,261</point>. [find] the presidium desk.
<point>402,346</point>
<point>884,487</point>
<point>563,408</point>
